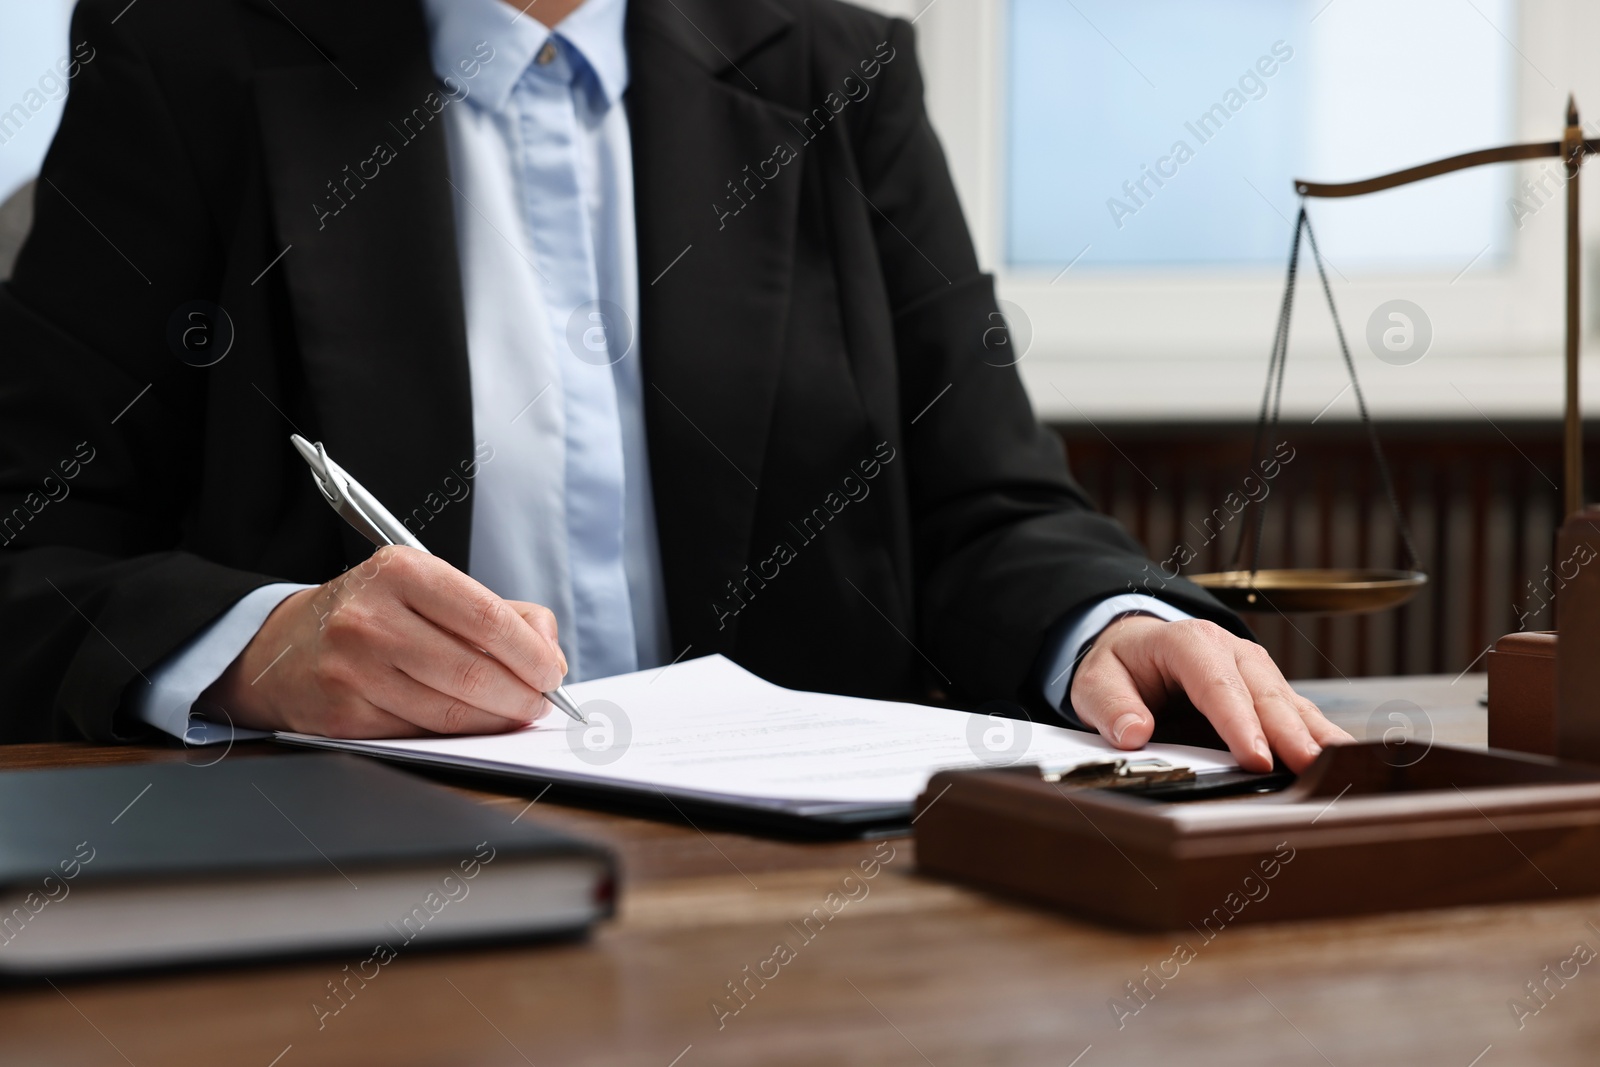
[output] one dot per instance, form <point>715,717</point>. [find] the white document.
<point>709,730</point>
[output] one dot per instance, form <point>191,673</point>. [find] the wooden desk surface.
<point>914,972</point>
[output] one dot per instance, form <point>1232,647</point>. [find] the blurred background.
<point>1127,169</point>
<point>1143,281</point>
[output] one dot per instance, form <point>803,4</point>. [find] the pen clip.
<point>347,497</point>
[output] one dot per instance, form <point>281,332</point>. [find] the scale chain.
<point>1272,400</point>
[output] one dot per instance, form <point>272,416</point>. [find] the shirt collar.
<point>457,30</point>
<point>596,30</point>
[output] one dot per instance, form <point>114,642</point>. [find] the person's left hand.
<point>1139,662</point>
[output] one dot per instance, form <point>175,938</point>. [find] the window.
<point>1167,132</point>
<point>1150,299</point>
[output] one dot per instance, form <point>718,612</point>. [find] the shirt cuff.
<point>1078,633</point>
<point>167,703</point>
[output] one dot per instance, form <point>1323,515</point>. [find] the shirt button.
<point>546,54</point>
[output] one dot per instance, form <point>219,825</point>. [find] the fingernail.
<point>1122,725</point>
<point>1259,747</point>
<point>1316,750</point>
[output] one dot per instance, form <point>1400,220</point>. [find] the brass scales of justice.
<point>1357,591</point>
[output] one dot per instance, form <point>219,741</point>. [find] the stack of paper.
<point>708,730</point>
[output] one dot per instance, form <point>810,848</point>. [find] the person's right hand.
<point>400,646</point>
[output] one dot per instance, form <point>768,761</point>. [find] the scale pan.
<point>1312,592</point>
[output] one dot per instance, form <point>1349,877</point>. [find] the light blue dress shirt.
<point>542,171</point>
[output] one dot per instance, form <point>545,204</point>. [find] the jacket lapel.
<point>359,182</point>
<point>715,270</point>
<point>373,275</point>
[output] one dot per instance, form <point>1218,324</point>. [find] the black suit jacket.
<point>851,495</point>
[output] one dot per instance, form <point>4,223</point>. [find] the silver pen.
<point>372,520</point>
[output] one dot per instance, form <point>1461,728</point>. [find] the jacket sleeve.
<point>99,420</point>
<point>1006,543</point>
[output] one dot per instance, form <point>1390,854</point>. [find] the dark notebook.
<point>158,864</point>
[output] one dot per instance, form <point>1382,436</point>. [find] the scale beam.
<point>1511,153</point>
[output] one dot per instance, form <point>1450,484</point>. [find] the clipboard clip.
<point>1119,773</point>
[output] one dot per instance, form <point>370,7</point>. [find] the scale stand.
<point>1541,700</point>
